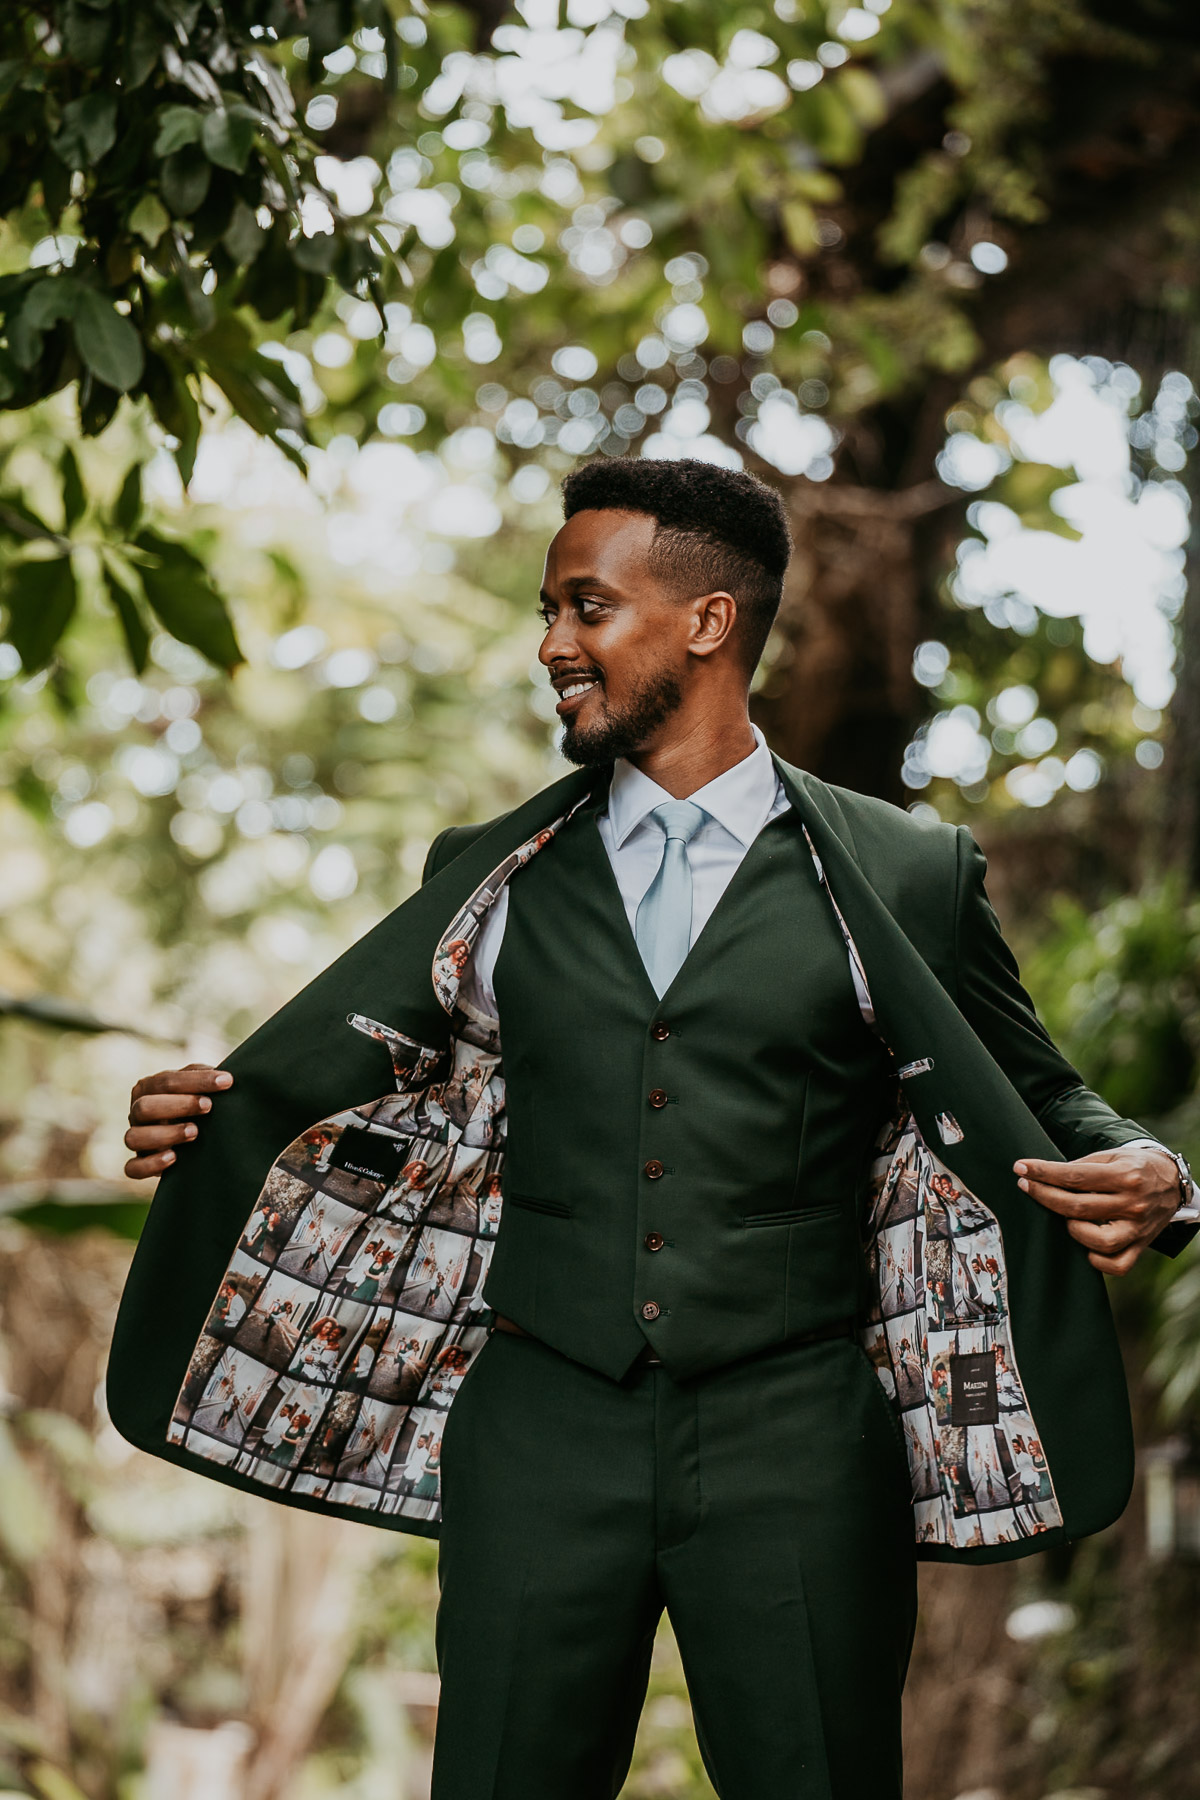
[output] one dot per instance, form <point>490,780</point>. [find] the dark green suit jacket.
<point>948,1002</point>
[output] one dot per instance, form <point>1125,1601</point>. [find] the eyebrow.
<point>574,583</point>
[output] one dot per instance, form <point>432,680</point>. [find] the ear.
<point>713,621</point>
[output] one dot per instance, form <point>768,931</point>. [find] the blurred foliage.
<point>1120,994</point>
<point>178,852</point>
<point>815,197</point>
<point>1119,990</point>
<point>158,147</point>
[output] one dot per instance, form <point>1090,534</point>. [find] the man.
<point>694,978</point>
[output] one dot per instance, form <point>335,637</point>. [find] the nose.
<point>559,643</point>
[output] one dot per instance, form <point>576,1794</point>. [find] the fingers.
<point>154,1109</point>
<point>1088,1174</point>
<point>160,1107</point>
<point>197,1078</point>
<point>1076,1205</point>
<point>1108,1240</point>
<point>1115,1265</point>
<point>140,1168</point>
<point>141,1138</point>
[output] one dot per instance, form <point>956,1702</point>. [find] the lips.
<point>573,691</point>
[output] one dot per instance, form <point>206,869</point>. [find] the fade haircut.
<point>719,530</point>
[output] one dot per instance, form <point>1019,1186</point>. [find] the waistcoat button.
<point>660,1030</point>
<point>655,1240</point>
<point>653,1169</point>
<point>658,1096</point>
<point>651,1309</point>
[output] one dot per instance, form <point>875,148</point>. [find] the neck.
<point>695,750</point>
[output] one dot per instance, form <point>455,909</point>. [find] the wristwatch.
<point>1185,1176</point>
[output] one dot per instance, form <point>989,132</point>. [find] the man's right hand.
<point>160,1108</point>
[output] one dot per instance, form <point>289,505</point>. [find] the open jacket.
<point>266,1335</point>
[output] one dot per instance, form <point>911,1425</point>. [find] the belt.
<point>648,1359</point>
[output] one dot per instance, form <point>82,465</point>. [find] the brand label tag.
<point>973,1389</point>
<point>369,1155</point>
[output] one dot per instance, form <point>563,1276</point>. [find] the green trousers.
<point>764,1506</point>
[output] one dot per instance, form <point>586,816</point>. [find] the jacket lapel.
<point>955,1075</point>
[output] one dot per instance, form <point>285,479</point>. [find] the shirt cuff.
<point>1189,1212</point>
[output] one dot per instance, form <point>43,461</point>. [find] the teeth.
<point>576,687</point>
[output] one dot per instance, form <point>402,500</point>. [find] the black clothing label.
<point>370,1155</point>
<point>973,1389</point>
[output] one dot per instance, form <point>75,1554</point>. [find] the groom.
<point>708,973</point>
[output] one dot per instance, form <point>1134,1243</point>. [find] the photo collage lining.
<point>352,1307</point>
<point>940,1339</point>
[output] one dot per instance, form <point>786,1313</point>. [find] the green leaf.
<point>128,611</point>
<point>50,300</point>
<point>244,236</point>
<point>177,409</point>
<point>40,597</point>
<point>128,507</point>
<point>185,601</point>
<point>88,130</point>
<point>140,47</point>
<point>74,498</point>
<point>45,303</point>
<point>107,342</point>
<point>185,179</point>
<point>149,219</point>
<point>97,405</point>
<point>85,32</point>
<point>315,254</point>
<point>177,126</point>
<point>228,136</point>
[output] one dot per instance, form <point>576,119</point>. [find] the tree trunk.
<point>841,700</point>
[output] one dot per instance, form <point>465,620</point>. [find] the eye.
<point>589,609</point>
<point>547,615</point>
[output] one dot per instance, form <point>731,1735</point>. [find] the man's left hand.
<point>1115,1202</point>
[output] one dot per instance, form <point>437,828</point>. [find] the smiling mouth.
<point>573,692</point>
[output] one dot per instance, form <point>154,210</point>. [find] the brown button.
<point>658,1096</point>
<point>653,1169</point>
<point>651,1309</point>
<point>655,1240</point>
<point>660,1030</point>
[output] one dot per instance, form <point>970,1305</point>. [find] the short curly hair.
<point>718,530</point>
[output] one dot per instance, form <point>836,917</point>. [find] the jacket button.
<point>658,1096</point>
<point>654,1240</point>
<point>651,1309</point>
<point>653,1169</point>
<point>660,1030</point>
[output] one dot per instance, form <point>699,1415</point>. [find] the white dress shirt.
<point>738,803</point>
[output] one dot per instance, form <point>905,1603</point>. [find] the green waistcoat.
<point>702,1154</point>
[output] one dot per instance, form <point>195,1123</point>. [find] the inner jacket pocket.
<point>531,1203</point>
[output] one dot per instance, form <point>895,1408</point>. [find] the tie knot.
<point>680,819</point>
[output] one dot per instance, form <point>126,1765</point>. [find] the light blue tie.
<point>664,918</point>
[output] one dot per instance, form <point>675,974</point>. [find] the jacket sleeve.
<point>1000,1012</point>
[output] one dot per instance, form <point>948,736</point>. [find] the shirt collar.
<point>740,799</point>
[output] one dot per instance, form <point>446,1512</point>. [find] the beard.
<point>623,730</point>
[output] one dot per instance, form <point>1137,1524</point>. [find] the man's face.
<point>616,638</point>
